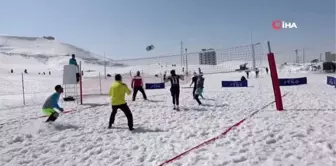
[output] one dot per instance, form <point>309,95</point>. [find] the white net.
<point>209,61</point>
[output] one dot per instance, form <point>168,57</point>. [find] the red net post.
<point>275,79</point>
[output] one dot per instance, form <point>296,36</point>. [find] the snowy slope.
<point>40,54</point>
<point>42,48</point>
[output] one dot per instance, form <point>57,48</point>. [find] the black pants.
<point>194,90</point>
<point>77,77</point>
<point>52,117</point>
<point>127,112</point>
<point>135,91</point>
<point>175,92</point>
<point>197,99</point>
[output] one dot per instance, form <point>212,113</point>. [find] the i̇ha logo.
<point>278,24</point>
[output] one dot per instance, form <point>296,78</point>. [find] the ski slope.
<point>37,54</point>
<point>303,134</point>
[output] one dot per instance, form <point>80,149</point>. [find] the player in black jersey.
<point>175,87</point>
<point>194,81</point>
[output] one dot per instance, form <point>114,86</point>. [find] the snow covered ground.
<point>303,134</point>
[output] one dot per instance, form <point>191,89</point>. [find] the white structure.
<point>207,57</point>
<point>330,57</point>
<point>69,74</point>
<point>70,80</point>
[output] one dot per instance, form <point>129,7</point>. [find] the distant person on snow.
<point>25,71</point>
<point>175,88</point>
<point>12,71</point>
<point>247,73</point>
<point>73,61</point>
<point>257,72</point>
<point>51,103</point>
<point>194,81</point>
<point>199,86</point>
<point>266,70</point>
<point>164,75</point>
<point>117,93</point>
<point>137,85</point>
<point>242,78</point>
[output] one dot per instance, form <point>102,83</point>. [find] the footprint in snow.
<point>243,150</point>
<point>240,159</point>
<point>271,141</point>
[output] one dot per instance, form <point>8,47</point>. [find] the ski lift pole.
<point>100,86</point>
<point>80,83</point>
<point>23,93</point>
<point>186,53</point>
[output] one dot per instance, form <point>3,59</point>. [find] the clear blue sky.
<point>123,28</point>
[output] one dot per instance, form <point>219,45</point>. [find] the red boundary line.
<point>219,136</point>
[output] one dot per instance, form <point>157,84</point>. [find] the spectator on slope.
<point>51,103</point>
<point>73,61</point>
<point>242,78</point>
<point>199,90</point>
<point>175,88</point>
<point>266,70</point>
<point>194,81</point>
<point>12,71</point>
<point>117,93</point>
<point>257,72</point>
<point>137,85</point>
<point>164,75</point>
<point>25,71</point>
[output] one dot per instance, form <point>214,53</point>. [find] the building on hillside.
<point>49,37</point>
<point>330,57</point>
<point>208,57</point>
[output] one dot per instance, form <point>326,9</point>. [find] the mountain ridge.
<point>44,49</point>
